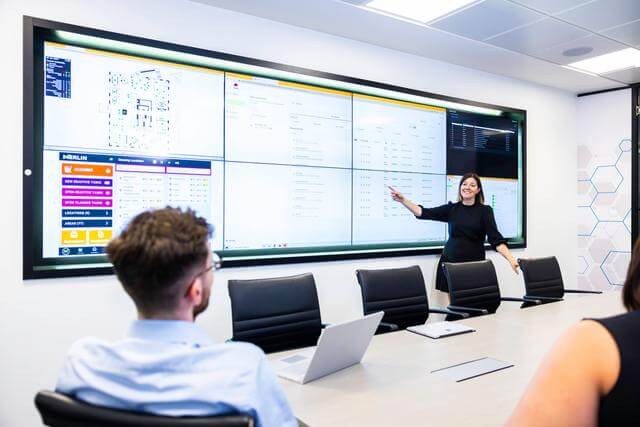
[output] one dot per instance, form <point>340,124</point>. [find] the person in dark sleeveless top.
<point>592,375</point>
<point>470,221</point>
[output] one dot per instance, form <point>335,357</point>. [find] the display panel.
<point>287,165</point>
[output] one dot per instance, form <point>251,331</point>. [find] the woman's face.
<point>469,189</point>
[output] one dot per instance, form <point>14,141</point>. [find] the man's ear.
<point>194,293</point>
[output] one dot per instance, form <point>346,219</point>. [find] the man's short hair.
<point>157,253</point>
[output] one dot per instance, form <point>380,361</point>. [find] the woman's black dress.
<point>469,226</point>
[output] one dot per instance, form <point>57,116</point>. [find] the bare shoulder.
<point>582,367</point>
<point>590,346</point>
<point>590,333</point>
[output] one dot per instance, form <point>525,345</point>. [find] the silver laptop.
<point>440,329</point>
<point>339,347</point>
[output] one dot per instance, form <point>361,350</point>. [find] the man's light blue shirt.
<point>172,368</point>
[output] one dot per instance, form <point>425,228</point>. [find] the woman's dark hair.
<point>480,195</point>
<point>631,289</point>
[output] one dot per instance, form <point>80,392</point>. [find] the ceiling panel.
<point>600,15</point>
<point>628,76</point>
<point>538,36</point>
<point>551,6</point>
<point>599,45</point>
<point>343,19</point>
<point>629,33</point>
<point>487,19</point>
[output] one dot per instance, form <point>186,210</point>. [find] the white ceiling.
<point>524,39</point>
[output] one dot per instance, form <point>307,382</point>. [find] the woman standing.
<point>470,222</point>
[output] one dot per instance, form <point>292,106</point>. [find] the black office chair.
<point>276,314</point>
<point>401,294</point>
<point>474,289</point>
<point>543,279</point>
<point>58,410</point>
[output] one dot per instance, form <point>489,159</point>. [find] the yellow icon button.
<point>74,237</point>
<point>99,236</point>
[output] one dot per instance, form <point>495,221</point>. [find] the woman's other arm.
<point>503,250</point>
<point>496,239</point>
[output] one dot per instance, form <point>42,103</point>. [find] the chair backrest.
<point>276,314</point>
<point>59,410</point>
<point>399,292</point>
<point>473,284</point>
<point>542,277</point>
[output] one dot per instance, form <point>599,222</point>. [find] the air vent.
<point>578,51</point>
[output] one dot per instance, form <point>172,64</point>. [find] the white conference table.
<point>393,384</point>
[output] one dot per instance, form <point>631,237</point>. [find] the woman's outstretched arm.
<point>399,197</point>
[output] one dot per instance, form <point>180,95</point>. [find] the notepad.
<point>472,369</point>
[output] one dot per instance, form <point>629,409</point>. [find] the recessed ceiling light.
<point>580,71</point>
<point>419,10</point>
<point>619,60</point>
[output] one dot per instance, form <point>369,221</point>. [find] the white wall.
<point>39,319</point>
<point>604,190</point>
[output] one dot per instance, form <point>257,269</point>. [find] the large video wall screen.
<point>287,166</point>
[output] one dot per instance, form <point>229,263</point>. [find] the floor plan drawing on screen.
<point>139,113</point>
<point>125,104</point>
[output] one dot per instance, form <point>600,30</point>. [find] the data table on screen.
<point>274,206</point>
<point>398,136</point>
<point>379,219</point>
<point>269,121</point>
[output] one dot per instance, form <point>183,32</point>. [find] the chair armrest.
<point>580,291</point>
<point>470,310</point>
<point>525,299</point>
<point>388,327</point>
<point>543,299</point>
<point>445,311</point>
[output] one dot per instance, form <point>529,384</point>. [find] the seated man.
<point>167,365</point>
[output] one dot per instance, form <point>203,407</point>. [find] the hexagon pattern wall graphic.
<point>604,216</point>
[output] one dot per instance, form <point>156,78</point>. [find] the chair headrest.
<point>59,410</point>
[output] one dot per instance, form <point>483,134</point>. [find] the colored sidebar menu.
<point>87,207</point>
